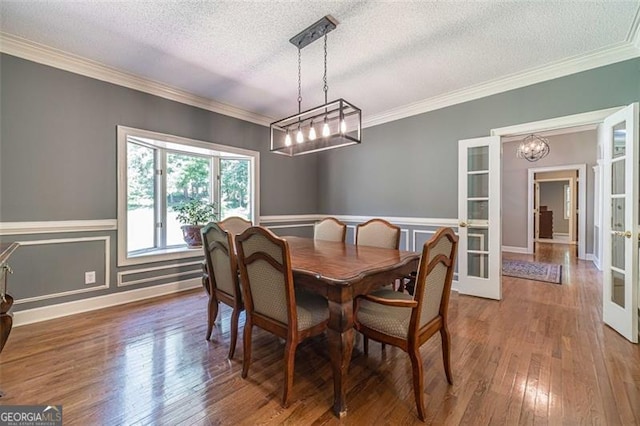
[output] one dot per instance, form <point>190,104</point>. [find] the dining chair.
<point>378,233</point>
<point>272,303</point>
<point>235,224</point>
<point>406,321</point>
<point>220,278</point>
<point>329,229</point>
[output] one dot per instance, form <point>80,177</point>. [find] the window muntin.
<point>156,172</point>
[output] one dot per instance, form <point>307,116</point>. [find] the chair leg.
<point>246,357</point>
<point>213,313</point>
<point>289,365</point>
<point>416,365</point>
<point>365,344</point>
<point>446,352</point>
<point>234,331</point>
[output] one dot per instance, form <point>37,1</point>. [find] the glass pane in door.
<point>478,252</point>
<point>617,288</point>
<point>478,185</point>
<point>619,140</point>
<point>478,159</point>
<point>617,177</point>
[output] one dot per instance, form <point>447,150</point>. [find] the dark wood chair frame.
<point>290,331</point>
<point>417,335</point>
<point>384,222</point>
<point>215,294</point>
<point>337,222</point>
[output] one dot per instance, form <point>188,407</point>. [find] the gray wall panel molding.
<point>50,272</point>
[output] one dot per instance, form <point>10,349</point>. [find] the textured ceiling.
<point>382,56</point>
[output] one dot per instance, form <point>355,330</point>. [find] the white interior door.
<point>536,210</point>
<point>620,224</point>
<point>479,185</point>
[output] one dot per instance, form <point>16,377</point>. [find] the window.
<point>156,172</point>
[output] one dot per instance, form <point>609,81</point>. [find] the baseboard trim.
<point>30,316</point>
<point>511,249</point>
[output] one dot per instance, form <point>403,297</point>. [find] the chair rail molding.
<point>57,226</point>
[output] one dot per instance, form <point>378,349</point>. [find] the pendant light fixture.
<point>331,125</point>
<point>533,147</point>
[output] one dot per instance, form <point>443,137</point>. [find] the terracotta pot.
<point>192,235</point>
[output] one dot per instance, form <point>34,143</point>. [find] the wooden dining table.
<point>341,272</point>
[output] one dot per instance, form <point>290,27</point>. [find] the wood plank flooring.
<point>540,356</point>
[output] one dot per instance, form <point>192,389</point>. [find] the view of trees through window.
<point>188,176</point>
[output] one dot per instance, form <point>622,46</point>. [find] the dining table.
<point>341,272</point>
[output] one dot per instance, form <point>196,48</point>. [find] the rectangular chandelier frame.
<point>344,121</point>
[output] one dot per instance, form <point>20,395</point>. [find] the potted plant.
<point>194,214</point>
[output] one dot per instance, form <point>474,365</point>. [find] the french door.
<point>621,222</point>
<point>479,228</point>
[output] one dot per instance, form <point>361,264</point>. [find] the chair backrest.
<point>378,233</point>
<point>267,281</point>
<point>235,225</point>
<point>435,273</point>
<point>329,229</point>
<point>221,260</point>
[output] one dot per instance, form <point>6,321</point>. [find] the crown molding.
<point>634,32</point>
<point>25,49</point>
<point>619,52</point>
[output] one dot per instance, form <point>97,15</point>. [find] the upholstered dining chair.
<point>235,224</point>
<point>271,301</point>
<point>220,278</point>
<point>406,321</point>
<point>329,229</point>
<point>378,233</point>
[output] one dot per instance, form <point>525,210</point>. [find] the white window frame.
<point>190,146</point>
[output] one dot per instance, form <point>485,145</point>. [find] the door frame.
<point>575,120</point>
<point>582,204</point>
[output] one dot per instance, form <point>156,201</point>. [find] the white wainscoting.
<point>44,313</point>
<point>121,283</point>
<point>107,266</point>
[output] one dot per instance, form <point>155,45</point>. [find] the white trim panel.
<point>45,313</point>
<point>57,226</point>
<point>121,274</point>
<point>107,267</point>
<point>298,225</point>
<point>512,249</point>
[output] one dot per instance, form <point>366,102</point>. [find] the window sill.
<point>162,255</point>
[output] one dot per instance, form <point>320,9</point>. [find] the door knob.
<point>463,224</point>
<point>622,234</point>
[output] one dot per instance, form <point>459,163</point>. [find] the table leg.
<point>340,335</point>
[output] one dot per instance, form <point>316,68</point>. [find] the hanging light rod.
<point>313,32</point>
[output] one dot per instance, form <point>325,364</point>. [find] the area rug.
<point>547,272</point>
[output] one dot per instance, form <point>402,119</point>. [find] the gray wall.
<point>570,148</point>
<point>409,167</point>
<point>552,196</point>
<point>58,162</point>
<point>58,133</point>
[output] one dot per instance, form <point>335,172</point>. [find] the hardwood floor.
<point>540,356</point>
